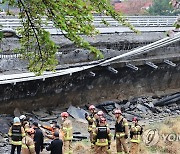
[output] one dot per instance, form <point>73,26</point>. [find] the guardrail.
<point>137,21</point>
<point>14,78</point>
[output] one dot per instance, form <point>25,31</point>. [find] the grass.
<point>169,126</point>
<point>169,142</point>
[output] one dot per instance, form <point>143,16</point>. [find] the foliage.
<point>73,17</point>
<point>162,7</point>
<point>176,5</point>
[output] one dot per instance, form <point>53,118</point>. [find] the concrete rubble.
<point>147,109</point>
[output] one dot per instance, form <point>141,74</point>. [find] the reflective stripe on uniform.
<point>23,134</point>
<point>110,135</point>
<point>90,128</point>
<point>89,118</point>
<point>120,135</point>
<point>67,136</point>
<point>126,124</point>
<point>16,142</point>
<point>136,140</point>
<point>25,146</point>
<point>65,128</point>
<point>68,152</point>
<point>14,134</point>
<point>98,143</point>
<point>93,126</point>
<point>26,129</point>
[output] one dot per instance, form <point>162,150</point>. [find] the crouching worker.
<point>102,138</point>
<point>28,146</point>
<point>56,145</point>
<point>135,135</point>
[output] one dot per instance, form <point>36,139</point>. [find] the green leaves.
<point>74,17</point>
<point>163,7</point>
<point>1,35</point>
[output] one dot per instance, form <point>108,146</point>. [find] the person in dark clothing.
<point>56,145</point>
<point>38,138</point>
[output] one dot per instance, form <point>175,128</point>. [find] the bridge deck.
<point>4,79</point>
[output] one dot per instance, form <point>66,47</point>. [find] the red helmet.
<point>64,114</point>
<point>100,113</point>
<point>31,131</point>
<point>91,107</point>
<point>118,111</point>
<point>134,119</point>
<point>102,120</point>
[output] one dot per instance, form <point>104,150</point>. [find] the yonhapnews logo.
<point>150,137</point>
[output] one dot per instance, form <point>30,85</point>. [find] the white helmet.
<point>16,120</point>
<point>22,117</point>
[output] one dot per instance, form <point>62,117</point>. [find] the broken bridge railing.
<point>14,78</point>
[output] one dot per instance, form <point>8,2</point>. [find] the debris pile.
<point>147,109</point>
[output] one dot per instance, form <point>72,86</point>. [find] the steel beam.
<point>169,62</point>
<point>112,69</point>
<point>151,65</point>
<point>132,66</point>
<point>92,74</point>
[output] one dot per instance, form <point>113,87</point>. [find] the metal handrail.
<point>137,21</point>
<point>4,79</point>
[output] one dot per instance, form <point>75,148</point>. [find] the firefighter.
<point>24,122</point>
<point>121,132</point>
<point>98,116</point>
<point>68,134</point>
<point>91,120</point>
<point>16,132</point>
<point>102,138</point>
<point>135,135</point>
<point>28,146</point>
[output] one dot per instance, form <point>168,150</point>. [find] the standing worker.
<point>135,135</point>
<point>121,132</point>
<point>68,134</point>
<point>56,145</point>
<point>38,138</point>
<point>24,122</point>
<point>16,132</point>
<point>91,120</point>
<point>102,138</point>
<point>28,146</point>
<point>98,116</point>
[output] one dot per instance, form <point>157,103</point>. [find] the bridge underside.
<point>101,84</point>
<point>82,88</point>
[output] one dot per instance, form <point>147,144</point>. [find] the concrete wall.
<point>80,88</point>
